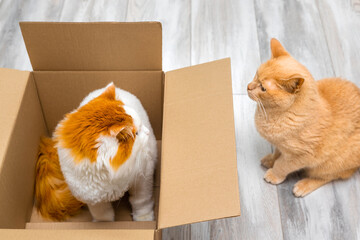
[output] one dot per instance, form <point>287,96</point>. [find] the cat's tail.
<point>53,197</point>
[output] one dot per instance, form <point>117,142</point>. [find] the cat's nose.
<point>251,86</point>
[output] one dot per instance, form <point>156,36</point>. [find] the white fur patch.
<point>107,149</point>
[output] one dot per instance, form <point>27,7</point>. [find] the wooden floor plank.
<point>12,47</point>
<point>226,29</point>
<point>260,214</point>
<point>177,233</point>
<point>93,11</point>
<point>175,19</point>
<point>342,29</point>
<point>297,25</point>
<point>341,22</point>
<point>200,231</point>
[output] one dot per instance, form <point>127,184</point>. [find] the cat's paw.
<point>145,217</point>
<point>306,186</point>
<point>268,161</point>
<point>272,178</point>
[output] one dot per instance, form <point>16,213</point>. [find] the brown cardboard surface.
<point>198,169</point>
<point>122,213</point>
<point>93,46</point>
<point>61,92</point>
<point>20,101</point>
<point>35,234</point>
<point>93,225</point>
<point>12,87</point>
<point>158,234</point>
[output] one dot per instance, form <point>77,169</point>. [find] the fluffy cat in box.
<point>98,152</point>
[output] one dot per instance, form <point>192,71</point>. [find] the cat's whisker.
<point>262,105</point>
<point>262,108</point>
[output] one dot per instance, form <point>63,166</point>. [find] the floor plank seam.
<point>277,190</point>
<point>127,10</point>
<point>326,37</point>
<point>280,212</point>
<point>190,32</point>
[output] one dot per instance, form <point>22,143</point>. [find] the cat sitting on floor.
<point>314,125</point>
<point>98,152</point>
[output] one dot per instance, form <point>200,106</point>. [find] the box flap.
<point>92,225</point>
<point>93,46</point>
<point>198,170</point>
<point>62,91</point>
<point>88,234</point>
<point>21,125</point>
<point>12,87</point>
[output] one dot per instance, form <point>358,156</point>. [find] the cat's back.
<point>342,96</point>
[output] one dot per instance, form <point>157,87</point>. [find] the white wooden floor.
<point>323,34</point>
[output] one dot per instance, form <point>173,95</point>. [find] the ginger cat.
<point>314,125</point>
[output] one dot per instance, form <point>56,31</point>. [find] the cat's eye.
<point>262,88</point>
<point>137,133</point>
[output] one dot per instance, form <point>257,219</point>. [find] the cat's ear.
<point>122,133</point>
<point>125,134</point>
<point>292,85</point>
<point>109,92</point>
<point>277,49</point>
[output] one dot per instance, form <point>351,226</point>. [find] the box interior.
<point>47,97</point>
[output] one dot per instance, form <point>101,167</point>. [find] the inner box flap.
<point>21,124</point>
<point>62,91</point>
<point>198,169</point>
<point>12,87</point>
<point>93,46</point>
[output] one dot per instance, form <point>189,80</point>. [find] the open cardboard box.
<point>190,109</point>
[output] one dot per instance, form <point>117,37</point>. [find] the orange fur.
<point>103,115</point>
<point>315,125</point>
<point>53,197</point>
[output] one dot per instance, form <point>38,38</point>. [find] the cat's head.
<point>278,82</point>
<point>103,127</point>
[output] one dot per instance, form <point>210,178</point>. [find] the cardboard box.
<point>190,109</point>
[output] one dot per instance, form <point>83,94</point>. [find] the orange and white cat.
<point>314,125</point>
<point>98,152</point>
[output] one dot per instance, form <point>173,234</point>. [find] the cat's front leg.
<point>283,166</point>
<point>102,212</point>
<point>269,160</point>
<point>273,178</point>
<point>141,198</point>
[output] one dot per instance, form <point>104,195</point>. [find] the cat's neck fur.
<point>309,111</point>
